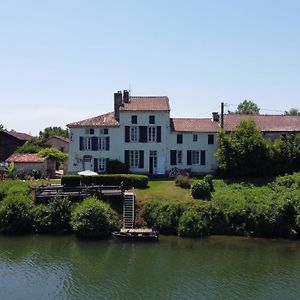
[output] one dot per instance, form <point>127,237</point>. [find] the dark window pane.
<point>133,119</point>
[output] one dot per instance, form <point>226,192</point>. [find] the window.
<point>102,143</point>
<point>195,157</point>
<point>151,119</point>
<point>85,143</point>
<point>179,157</point>
<point>133,134</point>
<point>175,157</point>
<point>195,137</point>
<point>211,139</point>
<point>151,134</point>
<point>133,119</point>
<point>179,138</point>
<point>134,159</point>
<point>103,131</point>
<point>89,131</point>
<point>101,164</point>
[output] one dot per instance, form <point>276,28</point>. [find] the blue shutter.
<point>158,134</point>
<point>94,143</point>
<point>173,158</point>
<point>141,162</point>
<point>107,143</point>
<point>127,140</point>
<point>126,154</point>
<point>202,158</point>
<point>81,143</point>
<point>96,165</point>
<point>189,157</point>
<point>143,134</point>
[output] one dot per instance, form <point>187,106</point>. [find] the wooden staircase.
<point>128,210</point>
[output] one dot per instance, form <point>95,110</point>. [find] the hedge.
<point>129,180</point>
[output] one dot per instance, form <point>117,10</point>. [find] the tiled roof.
<point>59,138</point>
<point>106,120</point>
<point>26,158</point>
<point>193,125</point>
<point>266,123</point>
<point>19,135</point>
<point>146,104</point>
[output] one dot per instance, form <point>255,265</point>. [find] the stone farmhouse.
<point>141,133</point>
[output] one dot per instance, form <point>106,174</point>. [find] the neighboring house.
<point>58,142</point>
<point>31,161</point>
<point>272,126</point>
<point>62,144</point>
<point>141,134</point>
<point>10,141</point>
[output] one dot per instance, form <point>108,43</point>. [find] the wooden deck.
<point>48,192</point>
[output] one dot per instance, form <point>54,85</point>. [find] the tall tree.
<point>52,131</point>
<point>247,108</point>
<point>292,112</point>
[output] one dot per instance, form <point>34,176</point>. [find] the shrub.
<point>201,190</point>
<point>116,167</point>
<point>197,220</point>
<point>7,186</point>
<point>288,181</point>
<point>41,218</point>
<point>163,216</point>
<point>183,181</point>
<point>128,180</point>
<point>93,218</point>
<point>209,179</point>
<point>15,213</point>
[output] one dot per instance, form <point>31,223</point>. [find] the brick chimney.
<point>215,117</point>
<point>117,102</point>
<point>126,96</point>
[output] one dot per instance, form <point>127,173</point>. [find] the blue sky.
<point>61,61</point>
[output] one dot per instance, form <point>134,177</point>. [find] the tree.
<point>34,145</point>
<point>53,131</point>
<point>292,112</point>
<point>243,152</point>
<point>53,154</point>
<point>247,108</point>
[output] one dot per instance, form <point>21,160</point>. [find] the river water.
<point>63,267</point>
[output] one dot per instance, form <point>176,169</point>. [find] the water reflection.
<point>51,267</point>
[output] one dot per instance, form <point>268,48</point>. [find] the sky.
<point>61,61</point>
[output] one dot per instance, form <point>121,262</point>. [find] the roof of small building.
<point>266,123</point>
<point>146,103</point>
<point>26,158</point>
<point>193,125</point>
<point>106,120</point>
<point>19,135</point>
<point>64,139</point>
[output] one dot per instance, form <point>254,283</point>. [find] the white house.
<point>141,134</point>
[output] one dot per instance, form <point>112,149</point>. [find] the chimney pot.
<point>125,96</point>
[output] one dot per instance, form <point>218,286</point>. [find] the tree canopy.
<point>292,112</point>
<point>34,145</point>
<point>53,154</point>
<point>246,108</point>
<point>53,131</point>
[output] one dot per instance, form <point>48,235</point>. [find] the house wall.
<point>189,145</point>
<point>8,145</point>
<point>29,166</point>
<point>58,144</point>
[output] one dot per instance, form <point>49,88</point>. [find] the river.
<point>63,267</point>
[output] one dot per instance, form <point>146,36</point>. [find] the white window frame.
<point>87,143</point>
<point>133,134</point>
<point>195,157</point>
<point>102,142</point>
<point>151,134</point>
<point>179,157</point>
<point>101,164</point>
<point>134,159</point>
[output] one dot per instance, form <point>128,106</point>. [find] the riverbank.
<point>262,208</point>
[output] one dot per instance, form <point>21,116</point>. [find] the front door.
<point>87,163</point>
<point>153,162</point>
